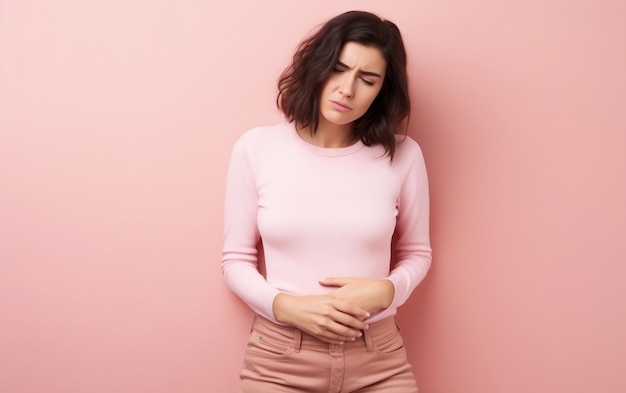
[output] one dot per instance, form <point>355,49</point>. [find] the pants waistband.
<point>374,333</point>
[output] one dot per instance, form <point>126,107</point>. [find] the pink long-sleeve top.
<point>323,212</point>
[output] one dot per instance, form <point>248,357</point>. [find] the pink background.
<point>117,119</point>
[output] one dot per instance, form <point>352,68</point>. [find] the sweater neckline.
<point>324,151</point>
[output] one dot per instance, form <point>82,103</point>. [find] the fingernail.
<point>366,327</point>
<point>360,334</point>
<point>367,315</point>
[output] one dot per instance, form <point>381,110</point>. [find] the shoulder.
<point>261,138</point>
<point>264,143</point>
<point>407,149</point>
<point>261,133</point>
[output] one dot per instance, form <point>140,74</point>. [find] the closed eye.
<point>364,75</point>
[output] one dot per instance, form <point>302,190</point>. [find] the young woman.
<point>340,205</point>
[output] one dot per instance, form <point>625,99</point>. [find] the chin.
<point>339,120</point>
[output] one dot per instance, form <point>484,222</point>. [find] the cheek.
<point>327,89</point>
<point>369,98</point>
<point>330,83</point>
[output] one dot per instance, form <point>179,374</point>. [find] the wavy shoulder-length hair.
<point>301,83</point>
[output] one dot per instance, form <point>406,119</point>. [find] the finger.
<point>333,338</point>
<point>347,325</point>
<point>328,340</point>
<point>351,309</point>
<point>333,282</point>
<point>339,326</point>
<point>338,333</point>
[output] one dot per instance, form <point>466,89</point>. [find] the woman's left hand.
<point>371,295</point>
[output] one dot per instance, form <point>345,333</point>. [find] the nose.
<point>346,88</point>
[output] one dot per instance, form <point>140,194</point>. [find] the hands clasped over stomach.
<point>338,316</point>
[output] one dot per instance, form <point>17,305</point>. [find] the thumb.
<point>334,281</point>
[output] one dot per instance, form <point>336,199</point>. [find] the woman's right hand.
<point>322,316</point>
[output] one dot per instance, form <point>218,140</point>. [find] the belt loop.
<point>367,334</point>
<point>297,340</point>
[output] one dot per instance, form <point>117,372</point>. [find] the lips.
<point>340,106</point>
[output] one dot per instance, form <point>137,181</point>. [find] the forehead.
<point>370,58</point>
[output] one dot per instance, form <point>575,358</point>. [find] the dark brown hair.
<point>300,84</point>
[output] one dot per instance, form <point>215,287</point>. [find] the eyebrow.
<point>368,73</point>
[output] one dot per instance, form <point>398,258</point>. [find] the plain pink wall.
<point>116,123</point>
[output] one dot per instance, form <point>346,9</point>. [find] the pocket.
<point>267,347</point>
<point>391,345</point>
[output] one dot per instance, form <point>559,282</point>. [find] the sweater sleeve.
<point>241,235</point>
<point>411,251</point>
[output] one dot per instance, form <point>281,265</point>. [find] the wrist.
<point>278,306</point>
<point>388,292</point>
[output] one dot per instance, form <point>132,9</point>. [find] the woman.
<point>340,205</point>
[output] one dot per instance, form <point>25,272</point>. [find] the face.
<point>353,85</point>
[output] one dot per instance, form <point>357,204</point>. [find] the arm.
<point>411,249</point>
<point>241,235</point>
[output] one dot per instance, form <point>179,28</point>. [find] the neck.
<point>329,135</point>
